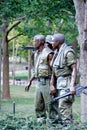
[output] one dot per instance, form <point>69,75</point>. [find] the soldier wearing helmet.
<point>48,41</point>
<point>64,68</point>
<point>42,73</point>
<point>53,113</point>
<point>39,40</point>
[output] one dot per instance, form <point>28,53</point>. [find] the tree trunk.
<point>0,71</point>
<point>6,89</point>
<point>75,46</point>
<point>81,21</point>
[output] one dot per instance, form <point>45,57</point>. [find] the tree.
<point>13,11</point>
<point>6,90</point>
<point>0,72</point>
<point>81,19</point>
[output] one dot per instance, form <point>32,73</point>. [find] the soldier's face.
<point>36,43</point>
<point>55,44</point>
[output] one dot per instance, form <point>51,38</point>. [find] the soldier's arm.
<point>52,88</point>
<point>29,84</point>
<point>52,84</point>
<point>73,78</point>
<point>71,62</point>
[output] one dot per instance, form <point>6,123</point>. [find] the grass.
<point>21,76</point>
<point>77,108</point>
<point>24,102</point>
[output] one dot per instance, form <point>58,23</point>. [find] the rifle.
<point>79,90</point>
<point>28,48</point>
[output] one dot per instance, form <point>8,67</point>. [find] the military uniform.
<point>61,68</point>
<point>43,74</point>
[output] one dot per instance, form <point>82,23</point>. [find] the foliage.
<point>11,122</point>
<point>49,17</point>
<point>8,122</point>
<point>11,9</point>
<point>36,8</point>
<point>16,47</point>
<point>38,16</point>
<point>51,8</point>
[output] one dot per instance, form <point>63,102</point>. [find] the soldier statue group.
<point>55,71</point>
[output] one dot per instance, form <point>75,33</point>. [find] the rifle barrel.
<point>79,90</point>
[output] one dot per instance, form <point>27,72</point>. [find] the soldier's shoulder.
<point>48,50</point>
<point>69,50</point>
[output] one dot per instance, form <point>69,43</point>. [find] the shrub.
<point>16,122</point>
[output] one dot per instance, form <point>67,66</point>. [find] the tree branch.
<point>15,37</point>
<point>13,26</point>
<point>21,18</point>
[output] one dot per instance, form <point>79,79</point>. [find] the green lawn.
<point>22,75</point>
<point>77,108</point>
<point>24,102</point>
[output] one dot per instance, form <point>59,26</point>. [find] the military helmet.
<point>59,37</point>
<point>39,40</point>
<point>39,37</point>
<point>48,39</point>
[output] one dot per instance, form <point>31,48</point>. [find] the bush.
<point>16,122</point>
<point>11,122</point>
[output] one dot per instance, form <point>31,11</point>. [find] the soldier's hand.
<point>72,90</point>
<point>27,87</point>
<point>52,89</point>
